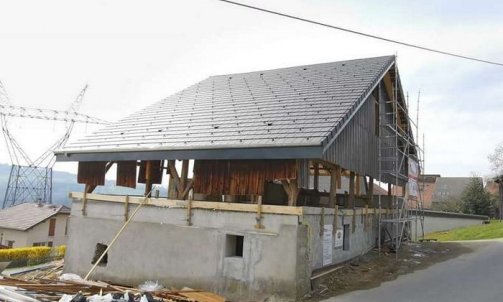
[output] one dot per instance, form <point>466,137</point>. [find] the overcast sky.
<point>134,53</point>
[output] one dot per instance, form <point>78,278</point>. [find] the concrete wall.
<point>435,221</point>
<point>277,261</point>
<point>39,233</point>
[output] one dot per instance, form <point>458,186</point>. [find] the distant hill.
<point>64,182</point>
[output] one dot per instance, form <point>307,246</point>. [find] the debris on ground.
<point>370,270</point>
<point>49,284</point>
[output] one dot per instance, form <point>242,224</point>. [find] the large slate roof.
<point>288,107</point>
<point>26,215</point>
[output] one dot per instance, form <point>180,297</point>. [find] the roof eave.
<point>269,152</point>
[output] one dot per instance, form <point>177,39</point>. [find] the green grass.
<point>474,232</point>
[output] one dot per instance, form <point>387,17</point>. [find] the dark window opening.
<point>52,227</point>
<point>345,239</point>
<point>10,243</point>
<point>49,244</point>
<point>100,249</point>
<point>234,246</point>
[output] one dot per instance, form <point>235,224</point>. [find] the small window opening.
<point>100,249</point>
<point>234,246</point>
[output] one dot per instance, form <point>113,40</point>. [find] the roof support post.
<point>148,179</point>
<point>333,187</point>
<point>316,175</point>
<point>370,191</point>
<point>175,180</point>
<point>291,189</point>
<point>183,179</point>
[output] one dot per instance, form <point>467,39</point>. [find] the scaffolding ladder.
<point>396,148</point>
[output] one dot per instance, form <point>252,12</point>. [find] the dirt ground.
<point>371,270</point>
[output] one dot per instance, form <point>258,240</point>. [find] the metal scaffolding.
<point>399,154</point>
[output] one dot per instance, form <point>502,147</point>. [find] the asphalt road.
<point>475,276</point>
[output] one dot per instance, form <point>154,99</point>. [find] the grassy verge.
<point>484,231</point>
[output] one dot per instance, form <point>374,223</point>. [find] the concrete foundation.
<point>221,251</point>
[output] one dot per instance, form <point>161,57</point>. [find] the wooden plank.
<point>351,198</point>
<point>148,179</point>
<point>316,175</point>
<point>126,208</point>
<point>84,200</point>
<point>92,173</point>
<point>174,174</point>
<point>203,296</point>
<point>187,189</point>
<point>370,192</point>
<point>357,185</point>
<point>338,171</point>
<point>169,203</point>
<point>126,174</point>
<point>333,188</point>
<point>183,179</point>
<point>336,219</point>
<point>259,224</point>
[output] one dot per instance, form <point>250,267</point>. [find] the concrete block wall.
<point>276,262</point>
<point>361,240</point>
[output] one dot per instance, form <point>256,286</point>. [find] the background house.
<point>30,224</point>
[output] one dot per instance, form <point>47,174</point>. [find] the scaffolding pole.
<point>397,148</point>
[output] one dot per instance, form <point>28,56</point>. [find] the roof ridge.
<point>299,66</point>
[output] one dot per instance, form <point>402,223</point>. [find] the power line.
<point>363,34</point>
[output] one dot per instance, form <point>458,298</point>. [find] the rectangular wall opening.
<point>234,245</point>
<point>100,249</point>
<point>345,239</point>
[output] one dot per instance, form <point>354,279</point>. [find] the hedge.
<point>32,255</point>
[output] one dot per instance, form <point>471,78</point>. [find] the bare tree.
<point>496,159</point>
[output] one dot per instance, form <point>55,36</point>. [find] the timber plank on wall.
<point>126,174</point>
<point>240,177</point>
<point>92,173</point>
<point>157,168</point>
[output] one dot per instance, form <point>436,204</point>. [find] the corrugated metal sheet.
<point>296,106</point>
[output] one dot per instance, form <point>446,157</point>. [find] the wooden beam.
<point>126,208</point>
<point>183,178</point>
<point>148,179</point>
<point>259,224</point>
<point>84,200</point>
<point>333,188</point>
<point>174,175</point>
<point>189,212</point>
<point>338,171</point>
<point>336,219</point>
<point>294,189</point>
<point>357,185</point>
<point>370,191</point>
<point>316,176</point>
<point>291,189</point>
<point>187,189</point>
<point>208,205</point>
<point>351,198</point>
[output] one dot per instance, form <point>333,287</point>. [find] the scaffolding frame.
<point>397,148</point>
